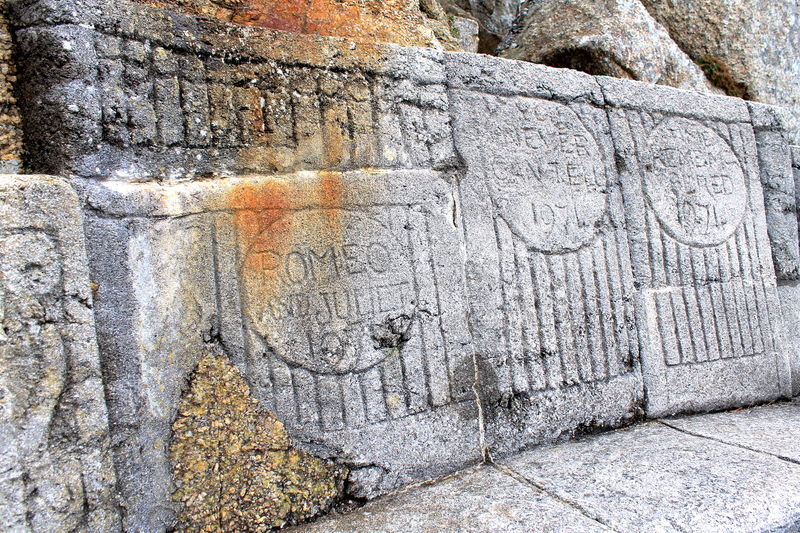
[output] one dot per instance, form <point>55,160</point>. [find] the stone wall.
<point>55,451</point>
<point>416,260</point>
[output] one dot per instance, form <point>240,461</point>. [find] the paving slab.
<point>655,478</point>
<point>772,429</point>
<point>480,500</point>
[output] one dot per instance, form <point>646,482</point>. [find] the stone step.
<point>732,471</point>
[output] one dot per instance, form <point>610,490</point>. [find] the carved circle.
<point>549,182</point>
<point>319,285</point>
<point>694,183</point>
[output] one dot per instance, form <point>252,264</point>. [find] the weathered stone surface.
<point>10,131</point>
<point>139,93</point>
<point>603,37</point>
<point>777,179</point>
<point>789,295</point>
<point>338,296</point>
<point>548,268</point>
<point>54,444</point>
<point>495,18</point>
<point>757,42</point>
<point>654,478</point>
<point>695,214</point>
<point>405,22</point>
<point>770,429</point>
<point>468,31</point>
<point>483,500</point>
<point>234,465</point>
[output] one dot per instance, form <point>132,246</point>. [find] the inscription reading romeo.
<point>694,183</point>
<point>316,296</point>
<point>548,182</point>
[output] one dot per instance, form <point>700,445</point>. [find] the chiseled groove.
<point>505,469</point>
<point>733,444</point>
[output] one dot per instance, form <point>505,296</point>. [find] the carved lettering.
<point>315,297</point>
<point>694,183</point>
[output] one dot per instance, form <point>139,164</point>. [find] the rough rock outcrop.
<point>751,46</point>
<point>496,17</point>
<point>603,37</point>
<point>406,22</point>
<point>10,132</point>
<point>234,465</point>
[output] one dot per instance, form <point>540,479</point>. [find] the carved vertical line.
<point>626,270</point>
<point>547,341</point>
<point>594,319</point>
<point>601,284</point>
<point>355,407</point>
<point>716,311</point>
<point>741,302</point>
<point>615,285</point>
<point>530,324</point>
<point>731,301</point>
<point>751,293</point>
<point>329,398</point>
<point>418,367</point>
<point>689,290</point>
<point>512,314</point>
<point>703,296</point>
<point>306,397</point>
<point>761,301</point>
<point>577,303</point>
<point>561,310</point>
<point>751,296</point>
<point>372,386</point>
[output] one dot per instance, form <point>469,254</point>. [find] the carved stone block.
<point>54,445</point>
<point>548,265</point>
<point>710,314</point>
<point>338,296</point>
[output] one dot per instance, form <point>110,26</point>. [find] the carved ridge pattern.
<point>558,332</point>
<point>398,386</point>
<point>711,301</point>
<point>292,116</point>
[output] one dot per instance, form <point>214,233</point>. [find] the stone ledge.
<point>735,471</point>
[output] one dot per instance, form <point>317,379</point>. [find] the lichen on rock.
<point>234,465</point>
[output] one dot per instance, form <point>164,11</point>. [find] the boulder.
<point>406,22</point>
<point>750,48</point>
<point>602,37</point>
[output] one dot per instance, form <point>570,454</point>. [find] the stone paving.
<point>732,471</point>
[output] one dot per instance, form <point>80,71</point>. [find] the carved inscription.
<point>317,296</point>
<point>694,183</point>
<point>550,184</point>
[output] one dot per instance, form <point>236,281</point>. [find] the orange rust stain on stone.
<point>397,21</point>
<point>260,221</point>
<point>265,226</point>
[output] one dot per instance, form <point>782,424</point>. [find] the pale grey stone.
<point>709,308</point>
<point>338,296</point>
<point>777,180</point>
<point>655,478</point>
<point>276,109</point>
<point>548,270</point>
<point>467,33</point>
<point>56,472</point>
<point>480,501</point>
<point>789,294</point>
<point>772,429</point>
